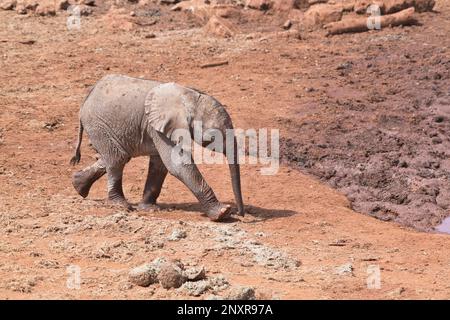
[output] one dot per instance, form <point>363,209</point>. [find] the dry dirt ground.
<point>300,238</point>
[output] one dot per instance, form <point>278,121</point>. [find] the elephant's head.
<point>170,106</point>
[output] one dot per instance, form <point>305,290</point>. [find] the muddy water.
<point>444,227</point>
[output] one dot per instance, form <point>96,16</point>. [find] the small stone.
<point>87,2</point>
<point>439,119</point>
<point>177,235</point>
<point>287,25</point>
<point>170,276</point>
<point>168,1</point>
<point>62,4</point>
<point>263,5</point>
<point>150,36</point>
<point>20,9</point>
<point>219,27</point>
<point>158,263</point>
<point>397,292</point>
<point>218,283</point>
<point>85,10</point>
<point>143,276</point>
<point>195,274</point>
<point>8,5</point>
<point>242,293</point>
<point>436,140</point>
<point>196,288</point>
<point>345,66</point>
<point>345,269</point>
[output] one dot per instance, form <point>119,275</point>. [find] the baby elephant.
<point>127,117</point>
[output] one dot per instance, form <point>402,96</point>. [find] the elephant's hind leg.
<point>115,190</point>
<point>189,174</point>
<point>157,173</point>
<point>84,179</point>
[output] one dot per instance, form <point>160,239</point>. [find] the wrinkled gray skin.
<point>127,117</point>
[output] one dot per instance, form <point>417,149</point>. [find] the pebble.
<point>177,235</point>
<point>171,276</point>
<point>242,293</point>
<point>143,275</point>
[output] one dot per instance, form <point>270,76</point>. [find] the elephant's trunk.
<point>236,179</point>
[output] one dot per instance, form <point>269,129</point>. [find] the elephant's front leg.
<point>189,174</point>
<point>157,173</point>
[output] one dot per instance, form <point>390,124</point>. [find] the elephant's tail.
<point>76,158</point>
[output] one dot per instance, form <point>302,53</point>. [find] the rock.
<point>200,9</point>
<point>177,235</point>
<point>242,293</point>
<point>170,276</point>
<point>361,6</point>
<point>62,4</point>
<point>8,4</point>
<point>321,14</point>
<point>345,270</point>
<point>42,8</point>
<point>195,274</point>
<point>143,275</point>
<point>30,5</point>
<point>287,25</point>
<point>259,4</point>
<point>396,292</point>
<point>158,263</point>
<point>46,9</point>
<point>85,10</point>
<point>227,11</point>
<point>311,2</point>
<point>21,9</point>
<point>87,2</point>
<point>168,1</point>
<point>118,18</point>
<point>443,198</point>
<point>219,27</point>
<point>283,5</point>
<point>218,283</point>
<point>196,288</point>
<point>392,6</point>
<point>345,66</point>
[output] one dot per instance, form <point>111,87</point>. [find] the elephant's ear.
<point>169,106</point>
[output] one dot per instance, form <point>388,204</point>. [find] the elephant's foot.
<point>149,207</point>
<point>121,203</point>
<point>82,182</point>
<point>219,212</point>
